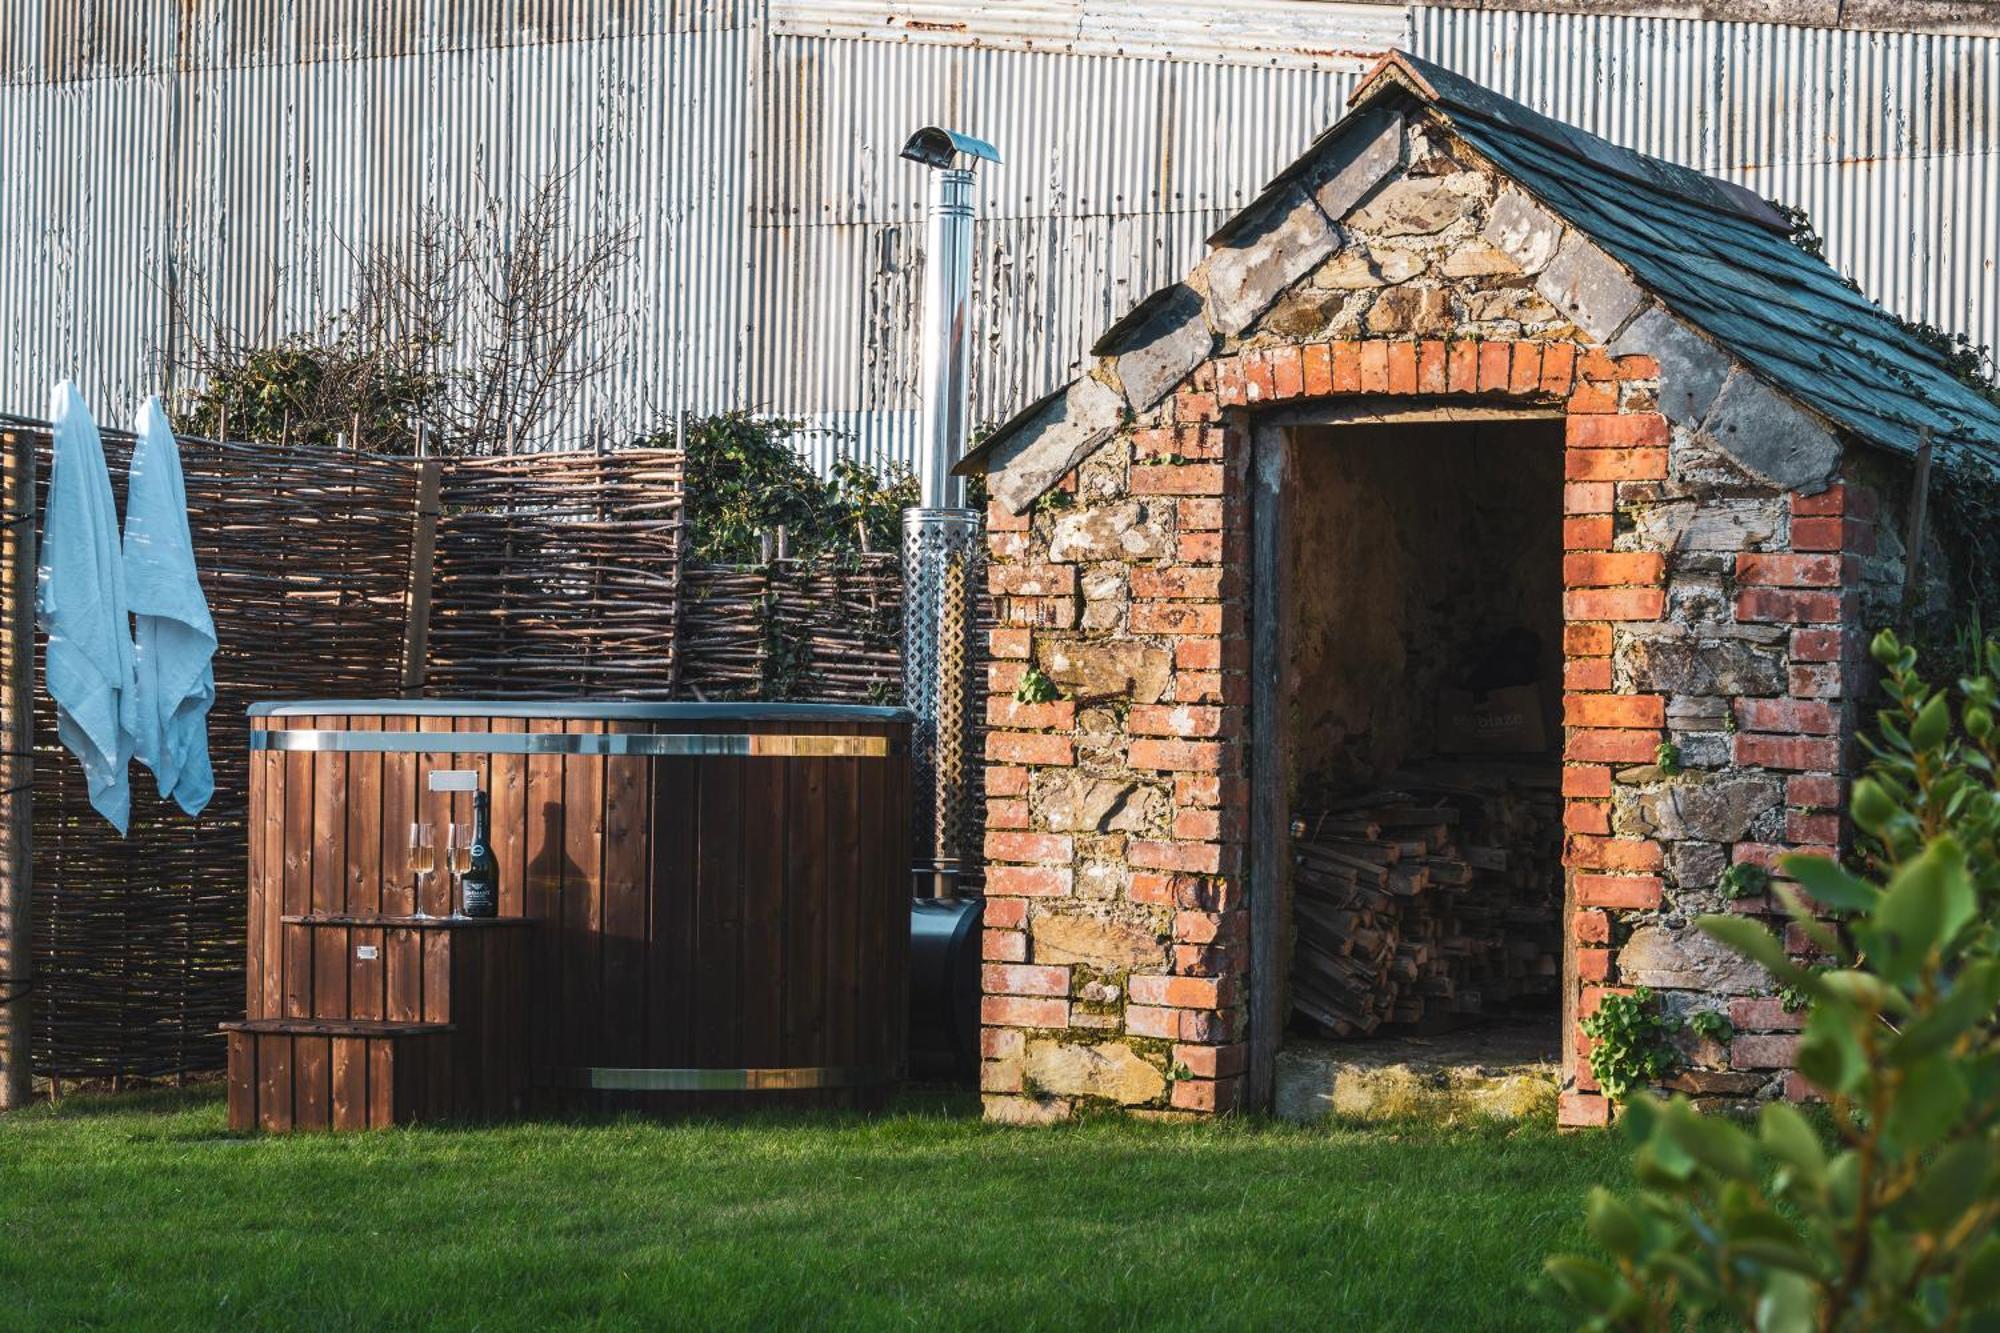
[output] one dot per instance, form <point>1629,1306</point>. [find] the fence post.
<point>423,547</point>
<point>683,541</point>
<point>17,779</point>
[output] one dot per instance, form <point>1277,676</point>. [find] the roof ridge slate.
<point>1665,236</point>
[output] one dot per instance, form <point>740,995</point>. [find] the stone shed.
<point>1476,445</point>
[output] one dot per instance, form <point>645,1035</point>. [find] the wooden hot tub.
<point>700,904</point>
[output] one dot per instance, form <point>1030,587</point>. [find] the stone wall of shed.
<point>1706,608</point>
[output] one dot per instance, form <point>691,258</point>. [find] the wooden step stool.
<point>387,1020</point>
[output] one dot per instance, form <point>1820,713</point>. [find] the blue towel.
<point>175,637</point>
<point>81,606</point>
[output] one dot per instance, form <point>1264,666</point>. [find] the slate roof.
<point>1719,258</point>
<point>1712,252</point>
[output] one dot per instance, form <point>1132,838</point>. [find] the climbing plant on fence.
<point>746,480</point>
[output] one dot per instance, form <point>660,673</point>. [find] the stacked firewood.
<point>1429,898</point>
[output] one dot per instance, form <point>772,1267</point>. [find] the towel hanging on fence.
<point>80,602</point>
<point>174,636</point>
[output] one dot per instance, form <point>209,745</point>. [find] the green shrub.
<point>745,479</point>
<point>1884,1220</point>
<point>314,389</point>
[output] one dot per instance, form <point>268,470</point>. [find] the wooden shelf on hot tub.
<point>384,920</point>
<point>387,1019</point>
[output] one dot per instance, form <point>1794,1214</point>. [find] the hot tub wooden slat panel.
<point>298,861</point>
<point>674,888</point>
<point>890,817</point>
<point>399,810</point>
<point>274,1081</point>
<point>277,805</point>
<point>363,835</point>
<point>717,1009</point>
<point>845,927</point>
<point>582,900</point>
<point>257,824</point>
<point>715,911</point>
<point>350,1083</point>
<point>543,881</point>
<point>381,1083</point>
<point>405,993</point>
<point>312,1085</point>
<point>509,779</point>
<point>330,955</point>
<point>762,973</point>
<point>299,813</point>
<point>805,915</point>
<point>329,863</point>
<point>435,949</point>
<point>622,1009</point>
<point>243,1081</point>
<point>367,977</point>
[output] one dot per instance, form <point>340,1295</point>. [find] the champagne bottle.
<point>481,881</point>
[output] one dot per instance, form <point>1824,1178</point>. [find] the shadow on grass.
<point>99,1105</point>
<point>923,1102</point>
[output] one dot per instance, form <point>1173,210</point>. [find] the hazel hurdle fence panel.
<point>137,943</point>
<point>330,574</point>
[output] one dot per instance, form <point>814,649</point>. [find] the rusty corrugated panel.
<point>1891,141</point>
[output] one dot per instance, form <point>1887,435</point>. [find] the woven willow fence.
<point>332,574</point>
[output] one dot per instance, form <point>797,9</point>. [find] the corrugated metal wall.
<point>239,152</point>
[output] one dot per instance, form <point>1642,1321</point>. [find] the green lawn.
<point>145,1211</point>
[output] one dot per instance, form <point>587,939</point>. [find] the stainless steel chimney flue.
<point>942,542</point>
<point>947,304</point>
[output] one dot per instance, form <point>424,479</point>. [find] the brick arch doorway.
<point>1407,557</point>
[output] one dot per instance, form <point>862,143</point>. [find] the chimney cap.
<point>941,148</point>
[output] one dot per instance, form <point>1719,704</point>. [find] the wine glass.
<point>423,859</point>
<point>461,861</point>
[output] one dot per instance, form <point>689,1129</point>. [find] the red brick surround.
<point>1187,597</point>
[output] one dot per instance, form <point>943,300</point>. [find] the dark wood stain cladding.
<point>667,912</point>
